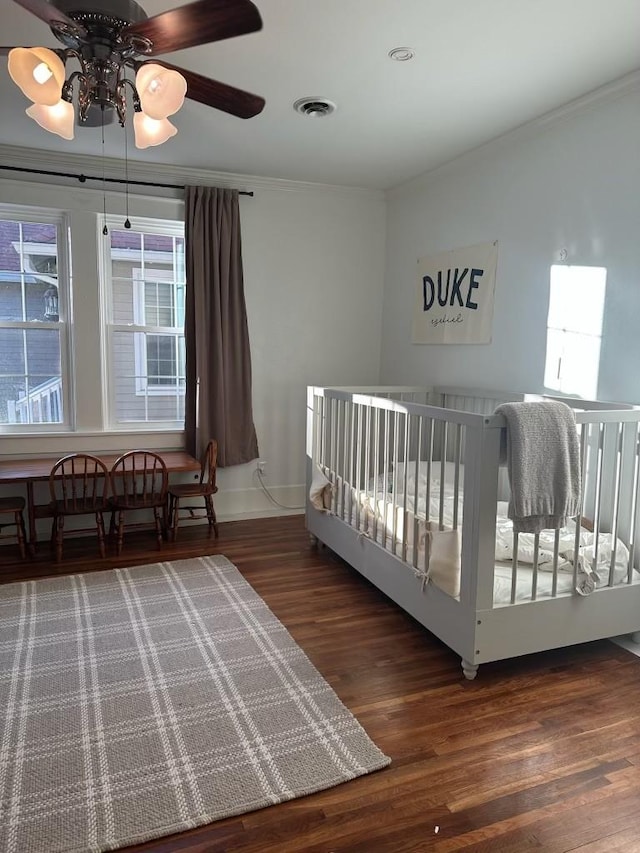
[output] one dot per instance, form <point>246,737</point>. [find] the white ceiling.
<point>482,67</point>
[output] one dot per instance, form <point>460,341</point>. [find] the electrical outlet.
<point>261,466</point>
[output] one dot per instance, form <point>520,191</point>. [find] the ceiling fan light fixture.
<point>150,131</point>
<point>38,72</point>
<point>105,68</point>
<point>161,90</point>
<point>59,118</point>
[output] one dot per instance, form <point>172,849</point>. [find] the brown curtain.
<point>218,360</point>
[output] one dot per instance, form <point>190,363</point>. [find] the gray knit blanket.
<point>542,453</point>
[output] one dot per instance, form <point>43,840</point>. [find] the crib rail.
<point>417,471</point>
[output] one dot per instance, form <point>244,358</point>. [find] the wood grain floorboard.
<point>540,753</point>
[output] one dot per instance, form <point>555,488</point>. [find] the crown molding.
<point>158,173</point>
<point>624,86</point>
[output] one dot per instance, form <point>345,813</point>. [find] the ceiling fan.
<point>111,41</point>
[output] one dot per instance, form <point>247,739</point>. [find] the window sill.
<point>45,444</point>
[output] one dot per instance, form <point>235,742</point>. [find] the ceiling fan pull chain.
<point>127,222</point>
<point>105,230</point>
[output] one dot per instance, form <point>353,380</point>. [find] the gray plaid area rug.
<point>139,702</point>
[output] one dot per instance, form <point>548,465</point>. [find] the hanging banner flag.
<point>454,297</point>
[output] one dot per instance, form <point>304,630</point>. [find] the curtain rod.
<point>83,178</point>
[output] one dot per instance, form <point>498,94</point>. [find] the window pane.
<point>40,232</point>
<point>572,363</point>
<point>179,264</point>
<point>158,304</point>
<point>576,298</point>
<point>28,269</point>
<point>161,360</point>
<point>11,307</point>
<point>38,300</point>
<point>158,243</point>
<point>26,298</point>
<point>131,240</point>
<point>122,303</point>
<point>149,380</point>
<point>30,375</point>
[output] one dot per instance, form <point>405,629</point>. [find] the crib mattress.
<point>374,514</point>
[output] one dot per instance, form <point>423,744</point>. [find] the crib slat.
<point>556,552</point>
<point>405,512</point>
<point>456,474</point>
<point>416,522</point>
<point>534,574</point>
<point>514,568</point>
<point>635,509</point>
<point>429,465</point>
<point>332,450</point>
<point>598,503</point>
<point>359,443</point>
<point>443,469</point>
<point>584,451</point>
<point>396,448</point>
<point>616,504</point>
<point>376,470</point>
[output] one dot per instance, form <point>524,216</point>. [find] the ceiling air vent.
<point>314,107</point>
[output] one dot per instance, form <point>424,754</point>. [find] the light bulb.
<point>42,73</point>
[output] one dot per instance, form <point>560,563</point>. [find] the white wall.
<point>314,268</point>
<point>571,181</point>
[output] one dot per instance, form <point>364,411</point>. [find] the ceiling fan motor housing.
<point>127,11</point>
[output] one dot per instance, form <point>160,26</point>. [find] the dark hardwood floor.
<point>539,753</point>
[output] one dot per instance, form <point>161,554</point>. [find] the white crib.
<point>416,503</point>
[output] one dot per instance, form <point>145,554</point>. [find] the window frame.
<point>32,214</point>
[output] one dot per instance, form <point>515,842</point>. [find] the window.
<point>574,329</point>
<point>33,340</point>
<point>144,277</point>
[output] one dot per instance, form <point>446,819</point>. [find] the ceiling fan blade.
<point>221,96</point>
<point>196,23</point>
<point>51,15</point>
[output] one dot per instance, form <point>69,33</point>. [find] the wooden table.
<point>30,471</point>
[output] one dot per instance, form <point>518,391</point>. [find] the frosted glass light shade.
<point>39,72</point>
<point>161,90</point>
<point>58,119</point>
<point>149,131</point>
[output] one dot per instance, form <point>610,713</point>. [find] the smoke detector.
<point>314,107</point>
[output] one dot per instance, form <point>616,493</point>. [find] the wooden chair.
<point>139,481</point>
<point>205,489</point>
<point>78,485</point>
<point>14,506</point>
